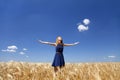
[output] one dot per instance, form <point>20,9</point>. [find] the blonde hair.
<point>57,39</point>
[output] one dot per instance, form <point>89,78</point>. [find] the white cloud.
<point>111,56</point>
<point>22,53</point>
<point>82,28</point>
<point>24,49</point>
<point>11,49</point>
<point>86,21</point>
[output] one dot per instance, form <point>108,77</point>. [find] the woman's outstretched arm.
<point>49,43</point>
<point>71,44</point>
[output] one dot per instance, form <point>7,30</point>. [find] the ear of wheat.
<point>44,71</point>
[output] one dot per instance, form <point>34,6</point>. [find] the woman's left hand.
<point>76,43</point>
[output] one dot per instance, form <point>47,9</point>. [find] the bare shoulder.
<point>55,44</point>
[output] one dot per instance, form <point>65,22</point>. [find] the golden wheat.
<point>72,71</point>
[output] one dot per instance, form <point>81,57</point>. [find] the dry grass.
<point>44,71</point>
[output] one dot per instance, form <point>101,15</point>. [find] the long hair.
<point>58,40</point>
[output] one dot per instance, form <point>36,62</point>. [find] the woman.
<point>58,61</point>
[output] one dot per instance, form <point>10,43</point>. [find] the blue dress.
<point>59,58</point>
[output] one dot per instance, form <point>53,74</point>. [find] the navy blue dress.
<point>59,58</point>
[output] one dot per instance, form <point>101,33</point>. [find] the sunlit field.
<point>71,71</point>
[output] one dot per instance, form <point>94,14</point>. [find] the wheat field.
<point>71,71</point>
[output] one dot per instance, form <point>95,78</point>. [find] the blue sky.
<point>23,22</point>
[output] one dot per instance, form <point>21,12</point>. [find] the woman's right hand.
<point>40,41</point>
<point>43,42</point>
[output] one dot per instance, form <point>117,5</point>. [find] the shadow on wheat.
<point>72,71</point>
